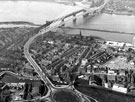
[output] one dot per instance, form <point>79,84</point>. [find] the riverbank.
<point>118,13</point>
<point>115,23</point>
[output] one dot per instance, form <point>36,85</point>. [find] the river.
<point>121,23</point>
<point>39,12</point>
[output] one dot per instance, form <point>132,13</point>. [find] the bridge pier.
<point>85,14</point>
<point>63,22</point>
<point>74,17</point>
<point>98,12</point>
<point>91,13</point>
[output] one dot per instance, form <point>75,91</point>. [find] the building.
<point>84,61</point>
<point>82,70</point>
<point>133,42</point>
<point>119,88</point>
<point>55,78</point>
<point>95,80</point>
<point>4,96</point>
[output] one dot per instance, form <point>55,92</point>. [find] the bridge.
<point>81,11</point>
<point>51,27</point>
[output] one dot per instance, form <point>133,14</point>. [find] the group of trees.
<point>27,90</point>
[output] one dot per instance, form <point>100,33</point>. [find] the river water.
<point>121,23</point>
<point>39,12</point>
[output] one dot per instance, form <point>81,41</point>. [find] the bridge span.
<point>81,11</point>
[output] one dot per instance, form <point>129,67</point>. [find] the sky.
<point>36,12</point>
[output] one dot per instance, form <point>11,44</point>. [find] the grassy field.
<point>104,95</point>
<point>65,96</point>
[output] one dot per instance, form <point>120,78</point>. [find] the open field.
<point>104,95</point>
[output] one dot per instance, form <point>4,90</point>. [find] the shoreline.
<point>30,0</point>
<point>118,13</point>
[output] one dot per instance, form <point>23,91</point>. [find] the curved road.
<point>56,23</point>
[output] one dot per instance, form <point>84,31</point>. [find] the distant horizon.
<point>19,22</point>
<point>29,0</point>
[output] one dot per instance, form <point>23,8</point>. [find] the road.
<point>18,76</point>
<point>56,23</point>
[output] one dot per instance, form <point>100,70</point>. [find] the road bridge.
<point>81,11</point>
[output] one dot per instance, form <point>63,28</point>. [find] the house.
<point>55,78</point>
<point>93,79</point>
<point>119,88</point>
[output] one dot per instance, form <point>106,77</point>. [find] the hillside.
<point>17,24</point>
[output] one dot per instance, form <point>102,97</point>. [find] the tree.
<point>92,40</point>
<point>25,91</point>
<point>129,58</point>
<point>41,89</point>
<point>30,87</point>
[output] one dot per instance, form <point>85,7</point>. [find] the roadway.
<point>56,23</point>
<point>18,76</point>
